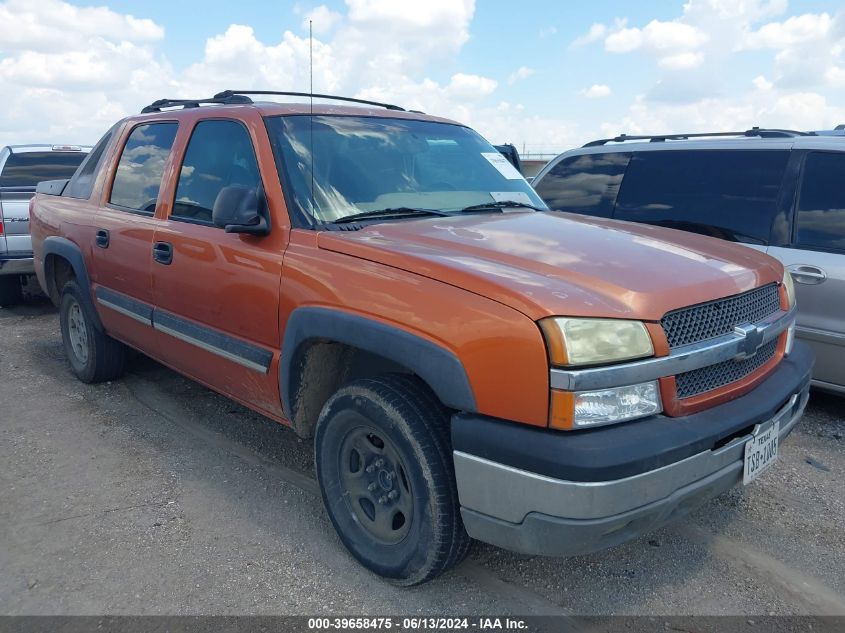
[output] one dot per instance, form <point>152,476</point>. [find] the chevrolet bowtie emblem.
<point>752,338</point>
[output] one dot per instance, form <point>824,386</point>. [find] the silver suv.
<point>22,167</point>
<point>779,191</point>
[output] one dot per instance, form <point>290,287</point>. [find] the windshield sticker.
<point>503,165</point>
<point>511,196</point>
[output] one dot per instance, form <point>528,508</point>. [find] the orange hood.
<point>545,264</point>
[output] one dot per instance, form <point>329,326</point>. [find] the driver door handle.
<point>163,252</point>
<point>807,274</point>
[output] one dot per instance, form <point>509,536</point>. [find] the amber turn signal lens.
<point>562,410</point>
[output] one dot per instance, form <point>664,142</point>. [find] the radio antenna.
<point>311,97</point>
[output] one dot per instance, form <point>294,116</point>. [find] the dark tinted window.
<point>82,183</point>
<point>820,222</point>
<point>27,169</point>
<point>727,194</point>
<point>584,184</point>
<point>141,165</point>
<point>219,154</point>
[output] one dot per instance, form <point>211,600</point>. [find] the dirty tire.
<point>396,420</point>
<point>93,355</point>
<point>11,290</point>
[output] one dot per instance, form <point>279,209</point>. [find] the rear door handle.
<point>102,238</point>
<point>807,274</point>
<point>163,252</point>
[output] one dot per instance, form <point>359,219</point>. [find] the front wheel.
<point>386,474</point>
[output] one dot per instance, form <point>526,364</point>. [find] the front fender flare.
<point>438,367</point>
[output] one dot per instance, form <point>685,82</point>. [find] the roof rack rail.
<point>755,131</point>
<point>156,106</point>
<point>227,94</point>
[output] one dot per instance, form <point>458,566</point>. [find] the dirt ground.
<point>153,495</point>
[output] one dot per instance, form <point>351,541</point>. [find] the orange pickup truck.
<point>385,282</point>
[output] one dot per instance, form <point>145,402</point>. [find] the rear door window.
<point>820,218</point>
<point>27,169</point>
<point>585,184</point>
<point>138,177</point>
<point>730,194</point>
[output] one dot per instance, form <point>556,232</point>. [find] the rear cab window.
<point>729,194</point>
<point>138,177</point>
<point>81,185</point>
<point>27,169</point>
<point>820,214</point>
<point>586,184</point>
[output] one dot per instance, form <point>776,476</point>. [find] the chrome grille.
<point>716,318</point>
<point>698,381</point>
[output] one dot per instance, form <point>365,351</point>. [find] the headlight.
<point>593,341</point>
<point>584,409</point>
<point>789,287</point>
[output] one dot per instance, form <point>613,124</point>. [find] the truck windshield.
<point>346,165</point>
<point>27,169</point>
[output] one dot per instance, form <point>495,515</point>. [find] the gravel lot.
<point>153,495</point>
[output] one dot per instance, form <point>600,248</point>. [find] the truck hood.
<point>545,264</point>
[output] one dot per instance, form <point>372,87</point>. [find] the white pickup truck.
<point>22,167</point>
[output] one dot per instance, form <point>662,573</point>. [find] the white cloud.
<point>681,61</point>
<point>597,31</point>
<point>470,86</point>
<point>547,32</point>
<point>321,19</point>
<point>74,71</point>
<point>761,83</point>
<point>657,37</point>
<point>795,30</point>
<point>596,91</point>
<point>808,49</point>
<point>55,26</point>
<point>70,72</point>
<point>674,43</point>
<point>523,72</point>
<point>623,41</point>
<point>798,111</point>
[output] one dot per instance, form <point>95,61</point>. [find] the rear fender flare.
<point>69,251</point>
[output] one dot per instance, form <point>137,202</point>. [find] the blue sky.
<point>74,67</point>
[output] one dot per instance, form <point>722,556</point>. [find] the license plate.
<point>761,451</point>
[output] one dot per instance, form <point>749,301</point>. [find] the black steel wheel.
<point>378,490</point>
<point>386,474</point>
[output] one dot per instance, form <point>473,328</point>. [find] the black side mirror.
<point>238,209</point>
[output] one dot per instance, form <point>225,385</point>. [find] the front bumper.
<point>17,266</point>
<point>618,482</point>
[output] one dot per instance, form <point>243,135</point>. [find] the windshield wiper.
<point>392,212</point>
<point>500,204</point>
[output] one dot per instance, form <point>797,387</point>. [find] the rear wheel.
<point>93,355</point>
<point>386,474</point>
<point>11,290</point>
